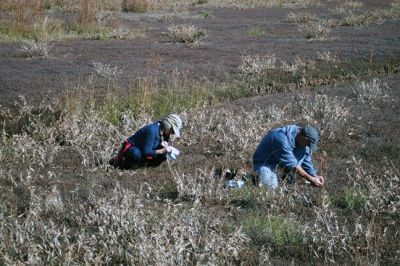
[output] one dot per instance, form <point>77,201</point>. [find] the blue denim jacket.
<point>147,139</point>
<point>278,147</point>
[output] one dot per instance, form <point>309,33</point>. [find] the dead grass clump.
<point>255,65</point>
<point>298,65</point>
<point>377,16</point>
<point>314,30</point>
<point>381,193</point>
<point>369,92</point>
<point>324,112</point>
<point>242,4</point>
<point>300,18</point>
<point>328,57</point>
<point>136,6</point>
<point>106,71</point>
<point>353,4</point>
<point>352,19</point>
<point>185,33</point>
<point>35,49</point>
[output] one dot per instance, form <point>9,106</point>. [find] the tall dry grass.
<point>267,3</point>
<point>84,18</point>
<point>60,202</point>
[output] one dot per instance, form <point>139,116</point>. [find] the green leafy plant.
<point>271,230</point>
<point>207,14</point>
<point>351,199</point>
<point>256,32</point>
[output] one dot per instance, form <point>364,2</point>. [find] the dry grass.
<point>328,57</point>
<point>255,65</point>
<point>60,203</point>
<point>35,49</point>
<point>91,214</point>
<point>298,65</point>
<point>261,3</point>
<point>33,20</point>
<point>314,30</point>
<point>300,18</point>
<point>136,6</point>
<point>352,17</point>
<point>366,92</point>
<point>189,34</point>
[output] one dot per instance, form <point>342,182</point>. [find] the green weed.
<point>351,199</point>
<point>256,32</point>
<point>6,150</point>
<point>275,231</point>
<point>207,14</point>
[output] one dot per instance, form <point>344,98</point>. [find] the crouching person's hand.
<point>317,181</point>
<point>164,144</point>
<point>163,150</point>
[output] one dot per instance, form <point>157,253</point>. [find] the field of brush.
<point>79,76</point>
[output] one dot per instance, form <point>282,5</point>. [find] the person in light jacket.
<point>289,147</point>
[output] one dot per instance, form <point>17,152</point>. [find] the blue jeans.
<point>268,177</point>
<point>133,158</point>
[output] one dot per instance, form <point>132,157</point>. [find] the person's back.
<point>288,147</point>
<point>147,139</point>
<point>278,147</point>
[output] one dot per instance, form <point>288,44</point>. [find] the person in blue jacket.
<point>149,145</point>
<point>289,147</point>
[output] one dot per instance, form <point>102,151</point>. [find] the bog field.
<point>79,76</point>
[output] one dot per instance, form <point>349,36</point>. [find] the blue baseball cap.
<point>311,134</point>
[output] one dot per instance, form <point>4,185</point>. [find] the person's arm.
<point>289,161</point>
<point>316,180</point>
<point>308,167</point>
<point>148,151</point>
<point>284,153</point>
<point>163,149</point>
<point>307,164</point>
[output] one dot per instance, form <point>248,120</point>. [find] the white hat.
<point>176,123</point>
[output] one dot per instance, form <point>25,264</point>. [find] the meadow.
<point>233,70</point>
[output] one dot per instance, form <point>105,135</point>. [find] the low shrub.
<point>185,33</point>
<point>35,49</point>
<point>256,65</point>
<point>300,18</point>
<point>314,30</point>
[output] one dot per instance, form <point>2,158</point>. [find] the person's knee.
<point>268,178</point>
<point>132,157</point>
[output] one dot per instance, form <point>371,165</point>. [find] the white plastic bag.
<point>172,153</point>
